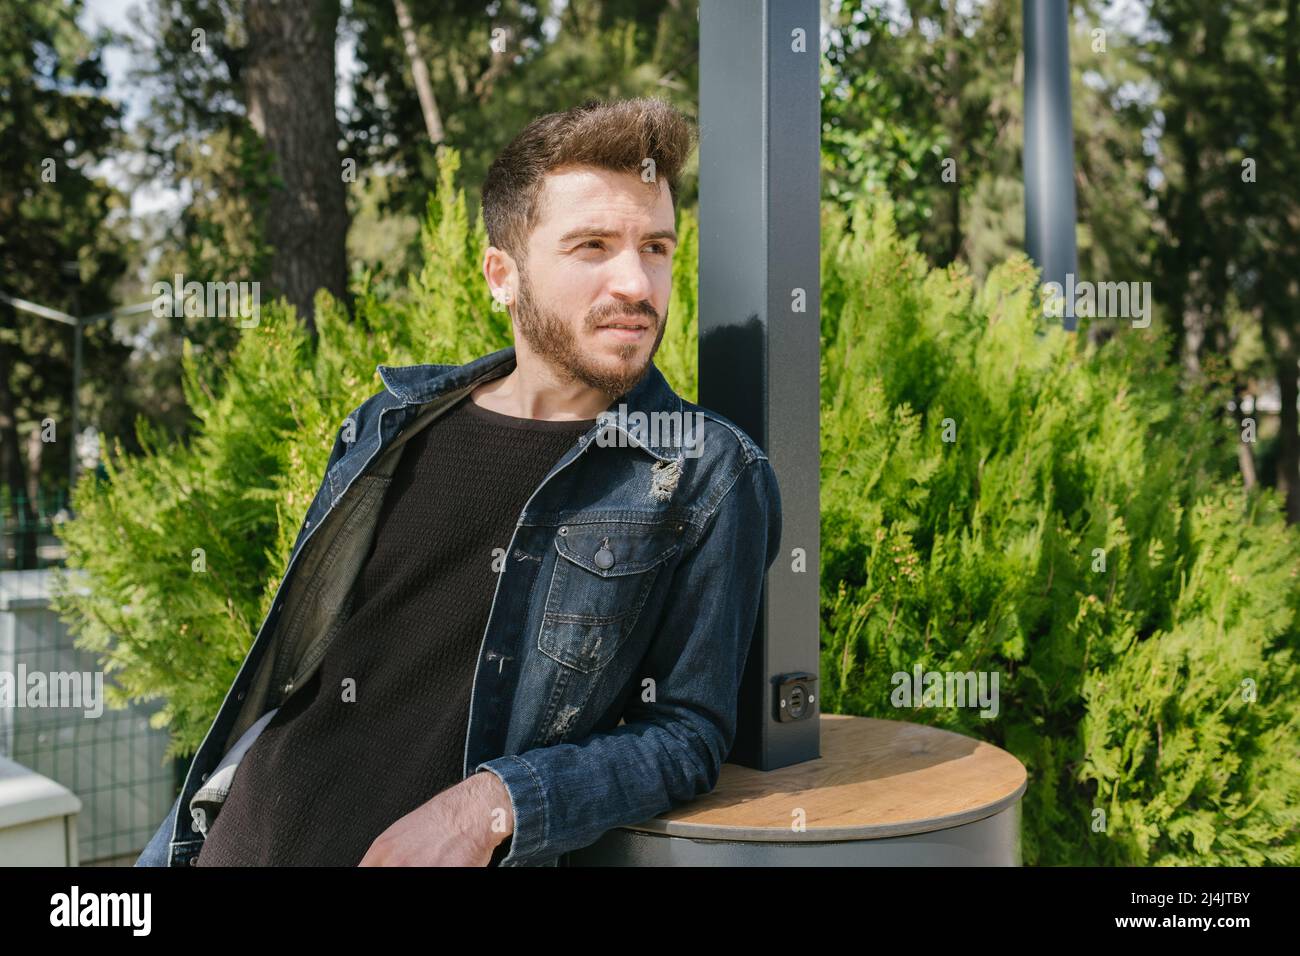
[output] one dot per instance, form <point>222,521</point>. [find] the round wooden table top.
<point>874,779</point>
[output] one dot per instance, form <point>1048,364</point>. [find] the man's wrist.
<point>495,799</point>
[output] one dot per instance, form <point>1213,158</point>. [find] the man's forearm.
<point>461,826</point>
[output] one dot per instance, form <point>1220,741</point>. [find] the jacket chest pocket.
<point>602,577</point>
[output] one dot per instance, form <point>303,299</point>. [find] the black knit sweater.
<point>380,727</point>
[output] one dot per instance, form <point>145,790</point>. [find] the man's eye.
<point>660,246</point>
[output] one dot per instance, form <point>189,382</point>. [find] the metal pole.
<point>759,321</point>
<point>76,401</point>
<point>1049,145</point>
<point>72,269</point>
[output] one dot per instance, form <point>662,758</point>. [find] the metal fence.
<point>27,529</point>
<point>113,760</point>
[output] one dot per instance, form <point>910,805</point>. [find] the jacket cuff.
<point>527,803</point>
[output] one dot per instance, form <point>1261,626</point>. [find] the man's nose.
<point>630,281</point>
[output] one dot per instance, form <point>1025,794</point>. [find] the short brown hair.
<point>618,135</point>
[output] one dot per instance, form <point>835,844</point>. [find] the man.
<point>519,608</point>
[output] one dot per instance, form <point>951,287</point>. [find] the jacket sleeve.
<point>671,749</point>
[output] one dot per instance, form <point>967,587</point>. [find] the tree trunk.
<point>289,89</point>
<point>420,75</point>
<point>1288,439</point>
<point>36,458</point>
<point>1246,463</point>
<point>1288,451</point>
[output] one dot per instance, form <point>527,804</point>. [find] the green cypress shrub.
<point>1075,535</point>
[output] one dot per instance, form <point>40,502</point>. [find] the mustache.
<point>644,310</point>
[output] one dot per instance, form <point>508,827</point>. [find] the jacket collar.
<point>418,384</point>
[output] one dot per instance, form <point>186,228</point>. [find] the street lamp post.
<point>78,323</point>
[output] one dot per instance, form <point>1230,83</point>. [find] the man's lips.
<point>632,323</point>
<point>635,332</point>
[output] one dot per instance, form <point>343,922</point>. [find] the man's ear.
<point>500,272</point>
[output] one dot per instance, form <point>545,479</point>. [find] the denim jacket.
<point>607,679</point>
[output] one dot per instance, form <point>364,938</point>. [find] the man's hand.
<point>455,828</point>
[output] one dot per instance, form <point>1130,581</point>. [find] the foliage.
<point>59,242</point>
<point>1074,537</point>
<point>598,49</point>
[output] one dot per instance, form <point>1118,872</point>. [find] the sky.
<point>153,197</point>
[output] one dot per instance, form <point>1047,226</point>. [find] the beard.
<point>553,339</point>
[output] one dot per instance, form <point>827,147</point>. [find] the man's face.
<point>601,256</point>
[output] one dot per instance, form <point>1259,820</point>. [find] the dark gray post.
<point>759,321</point>
<point>1049,144</point>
